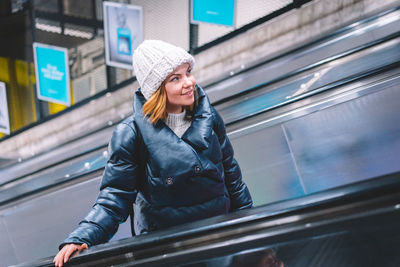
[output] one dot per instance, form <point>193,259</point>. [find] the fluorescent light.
<point>67,31</point>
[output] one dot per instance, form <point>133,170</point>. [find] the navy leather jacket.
<point>168,180</point>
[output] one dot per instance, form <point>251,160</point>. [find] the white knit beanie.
<point>154,60</point>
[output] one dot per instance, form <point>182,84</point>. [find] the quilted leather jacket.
<point>168,180</point>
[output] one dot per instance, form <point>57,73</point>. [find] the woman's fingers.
<point>76,249</point>
<point>59,258</point>
<point>66,252</point>
<point>69,252</point>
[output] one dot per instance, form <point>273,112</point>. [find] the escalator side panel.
<point>348,142</point>
<point>53,216</point>
<point>276,178</point>
<point>7,253</point>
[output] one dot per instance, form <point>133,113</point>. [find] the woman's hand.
<point>66,252</point>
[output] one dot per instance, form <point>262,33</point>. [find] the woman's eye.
<point>189,71</point>
<point>174,79</point>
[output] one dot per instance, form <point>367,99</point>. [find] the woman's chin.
<point>188,101</point>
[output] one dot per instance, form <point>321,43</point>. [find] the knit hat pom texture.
<point>154,60</point>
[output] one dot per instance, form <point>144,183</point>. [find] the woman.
<point>171,159</point>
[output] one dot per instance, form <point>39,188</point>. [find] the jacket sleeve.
<point>239,193</point>
<point>117,191</point>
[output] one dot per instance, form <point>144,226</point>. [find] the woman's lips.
<point>189,93</point>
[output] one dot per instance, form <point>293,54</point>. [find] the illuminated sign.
<point>220,12</point>
<point>52,73</point>
<point>123,32</point>
<point>4,120</point>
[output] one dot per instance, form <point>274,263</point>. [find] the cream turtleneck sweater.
<point>178,123</point>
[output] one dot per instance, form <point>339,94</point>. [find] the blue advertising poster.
<point>220,12</point>
<point>123,32</point>
<point>52,73</point>
<point>4,121</point>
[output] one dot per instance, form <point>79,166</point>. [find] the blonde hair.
<point>156,106</point>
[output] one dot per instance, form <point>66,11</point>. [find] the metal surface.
<point>347,138</point>
<point>63,172</point>
<point>7,252</point>
<point>314,103</point>
<point>267,166</point>
<point>348,142</point>
<point>56,156</point>
<point>53,216</point>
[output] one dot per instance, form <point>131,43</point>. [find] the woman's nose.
<point>188,81</point>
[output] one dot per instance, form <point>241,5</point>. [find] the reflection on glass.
<point>261,258</point>
<point>253,258</point>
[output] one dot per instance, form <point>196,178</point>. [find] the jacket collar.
<point>197,135</point>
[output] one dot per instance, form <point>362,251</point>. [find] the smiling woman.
<point>171,160</point>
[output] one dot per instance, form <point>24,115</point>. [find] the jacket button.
<point>197,169</point>
<point>169,181</point>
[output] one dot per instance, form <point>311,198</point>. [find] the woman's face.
<point>179,86</point>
